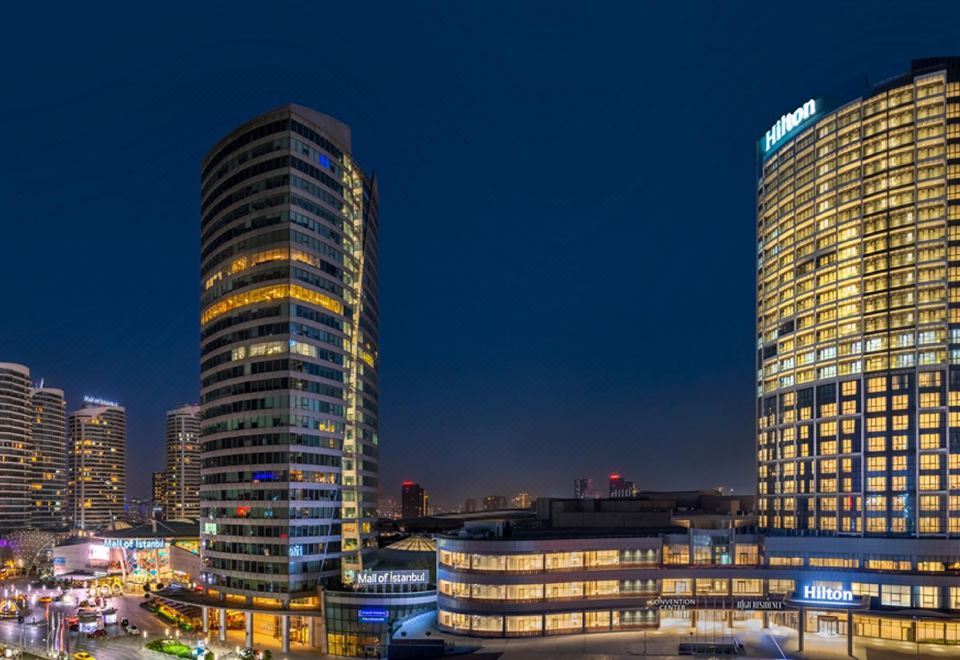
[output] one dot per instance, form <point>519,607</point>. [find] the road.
<point>31,635</point>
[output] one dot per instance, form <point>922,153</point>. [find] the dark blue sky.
<point>567,202</point>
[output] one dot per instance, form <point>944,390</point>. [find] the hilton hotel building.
<point>857,401</point>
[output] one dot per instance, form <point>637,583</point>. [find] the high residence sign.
<point>787,125</point>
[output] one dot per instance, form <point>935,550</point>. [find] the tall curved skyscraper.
<point>289,359</point>
<point>16,416</point>
<point>858,311</point>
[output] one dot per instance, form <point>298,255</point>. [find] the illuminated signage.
<point>787,124</point>
<point>393,577</point>
<point>135,544</point>
<point>827,594</point>
<point>99,553</point>
<point>373,615</point>
<point>97,401</point>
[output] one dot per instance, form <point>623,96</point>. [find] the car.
<point>124,622</point>
<point>99,632</point>
<point>44,599</point>
<point>133,630</point>
<point>83,655</point>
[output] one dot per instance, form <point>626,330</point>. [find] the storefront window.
<point>456,589</point>
<point>676,554</point>
<point>865,589</point>
<point>712,587</point>
<point>677,588</point>
<point>602,588</point>
<point>602,558</point>
<point>598,620</point>
<point>525,592</point>
<point>455,559</point>
<point>895,594</point>
<point>489,591</point>
<point>781,586</point>
<point>525,562</point>
<point>747,587</point>
<point>567,621</point>
<point>488,562</point>
<point>525,624</point>
<point>747,554</point>
<point>563,560</point>
<point>480,623</point>
<point>927,597</point>
<point>454,620</point>
<point>561,590</point>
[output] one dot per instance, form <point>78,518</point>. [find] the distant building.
<point>48,460</point>
<point>15,424</point>
<point>388,508</point>
<point>620,487</point>
<point>582,488</point>
<point>97,472</point>
<point>413,501</point>
<point>159,495</point>
<point>494,502</point>
<point>182,496</point>
<point>522,500</point>
<point>469,505</point>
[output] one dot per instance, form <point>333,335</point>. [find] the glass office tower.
<point>858,311</point>
<point>289,359</point>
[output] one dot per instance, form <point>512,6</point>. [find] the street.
<point>31,635</point>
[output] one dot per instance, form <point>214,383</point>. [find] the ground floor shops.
<point>346,623</point>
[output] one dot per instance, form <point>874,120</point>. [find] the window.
<point>897,595</point>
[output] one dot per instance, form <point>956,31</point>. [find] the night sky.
<point>567,208</point>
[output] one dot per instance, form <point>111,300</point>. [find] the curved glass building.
<point>15,443</point>
<point>48,459</point>
<point>289,360</point>
<point>858,311</point>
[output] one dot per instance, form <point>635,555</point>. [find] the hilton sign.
<point>787,124</point>
<point>827,594</point>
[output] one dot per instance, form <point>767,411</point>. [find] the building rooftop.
<point>167,529</point>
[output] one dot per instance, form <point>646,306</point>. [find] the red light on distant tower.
<point>407,483</point>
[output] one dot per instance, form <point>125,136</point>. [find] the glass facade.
<point>48,460</point>
<point>289,358</point>
<point>97,470</point>
<point>858,316</point>
<point>181,494</point>
<point>15,424</point>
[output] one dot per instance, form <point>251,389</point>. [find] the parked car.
<point>99,632</point>
<point>133,630</point>
<point>124,622</point>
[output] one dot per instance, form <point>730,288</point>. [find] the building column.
<point>693,618</point>
<point>285,633</point>
<point>850,632</point>
<point>248,628</point>
<point>766,619</point>
<point>800,627</point>
<point>223,624</point>
<point>206,619</point>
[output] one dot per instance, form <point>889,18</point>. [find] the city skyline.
<point>560,232</point>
